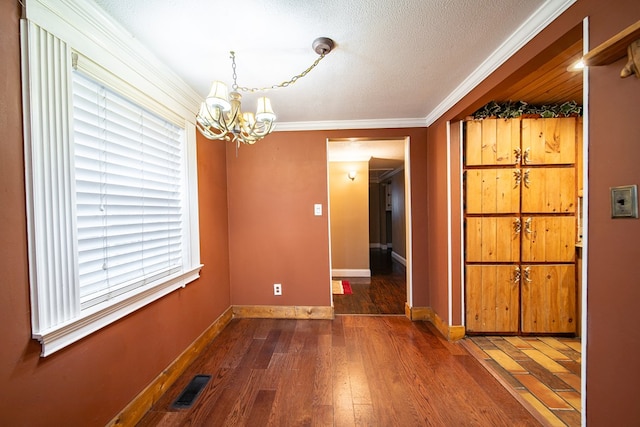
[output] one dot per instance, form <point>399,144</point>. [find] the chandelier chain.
<point>221,117</point>
<point>275,86</point>
<point>233,68</point>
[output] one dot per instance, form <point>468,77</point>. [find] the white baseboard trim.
<point>399,258</point>
<point>382,246</point>
<point>351,272</point>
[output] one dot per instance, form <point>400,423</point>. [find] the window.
<point>127,164</point>
<point>111,179</point>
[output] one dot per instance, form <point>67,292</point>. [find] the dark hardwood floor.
<point>354,370</point>
<point>385,292</point>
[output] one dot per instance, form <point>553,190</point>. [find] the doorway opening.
<point>369,225</point>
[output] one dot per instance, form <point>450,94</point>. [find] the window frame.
<point>51,31</point>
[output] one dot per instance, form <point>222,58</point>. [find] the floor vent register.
<point>191,392</point>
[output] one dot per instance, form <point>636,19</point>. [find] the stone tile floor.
<point>542,372</point>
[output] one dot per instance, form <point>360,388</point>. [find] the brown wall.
<point>273,186</point>
<point>398,215</point>
<point>437,226</point>
<point>613,285</point>
<point>375,211</point>
<point>92,380</point>
<point>613,282</point>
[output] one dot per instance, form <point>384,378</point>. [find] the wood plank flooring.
<point>376,370</point>
<point>544,371</point>
<point>351,371</point>
<point>385,292</point>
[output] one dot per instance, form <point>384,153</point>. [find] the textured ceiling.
<point>395,59</point>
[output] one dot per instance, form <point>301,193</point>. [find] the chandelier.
<point>221,116</point>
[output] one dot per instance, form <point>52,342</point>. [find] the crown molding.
<point>88,29</point>
<point>545,14</point>
<point>391,173</point>
<point>350,124</point>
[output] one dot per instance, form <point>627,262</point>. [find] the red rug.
<point>347,287</point>
<point>341,287</point>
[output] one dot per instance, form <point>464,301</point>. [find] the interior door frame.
<point>407,211</point>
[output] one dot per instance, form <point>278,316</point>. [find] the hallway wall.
<point>398,215</point>
<point>349,219</point>
<point>376,212</point>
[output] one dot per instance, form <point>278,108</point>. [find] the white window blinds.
<point>128,193</point>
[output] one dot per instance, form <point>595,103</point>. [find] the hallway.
<point>385,292</point>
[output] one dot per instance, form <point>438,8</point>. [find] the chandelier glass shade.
<point>221,117</point>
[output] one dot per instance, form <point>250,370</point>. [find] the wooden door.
<point>548,298</point>
<point>549,190</point>
<point>492,296</point>
<point>549,141</point>
<point>492,142</point>
<point>493,239</point>
<point>491,191</point>
<point>548,239</point>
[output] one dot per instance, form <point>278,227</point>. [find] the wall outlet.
<point>277,289</point>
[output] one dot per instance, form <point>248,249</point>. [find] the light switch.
<point>317,209</point>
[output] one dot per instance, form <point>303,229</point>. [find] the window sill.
<point>102,315</point>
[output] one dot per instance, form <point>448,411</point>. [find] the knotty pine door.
<point>520,225</point>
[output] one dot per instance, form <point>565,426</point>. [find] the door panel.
<point>549,141</point>
<point>493,239</point>
<point>549,190</point>
<point>548,239</point>
<point>492,191</point>
<point>548,298</point>
<point>492,142</point>
<point>492,298</point>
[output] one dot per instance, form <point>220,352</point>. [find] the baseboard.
<point>418,313</point>
<point>282,312</point>
<point>456,332</point>
<point>450,332</point>
<point>364,272</point>
<point>141,404</point>
<point>382,246</point>
<point>396,256</point>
